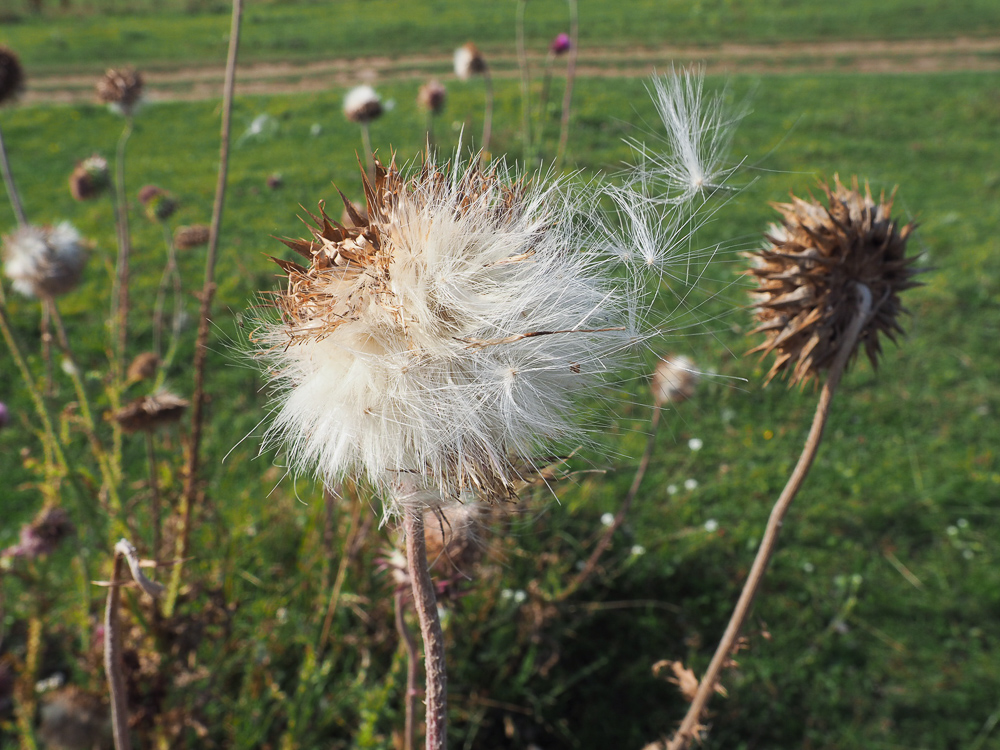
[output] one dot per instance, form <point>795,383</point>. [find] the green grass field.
<point>858,654</point>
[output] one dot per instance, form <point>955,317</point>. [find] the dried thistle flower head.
<point>44,261</point>
<point>90,178</point>
<point>362,105</point>
<point>810,269</point>
<point>11,75</point>
<point>354,210</point>
<point>674,380</point>
<point>186,238</point>
<point>444,337</point>
<point>453,534</point>
<point>143,367</point>
<point>43,535</point>
<point>121,90</point>
<point>150,412</point>
<point>469,61</point>
<point>432,96</point>
<point>159,204</point>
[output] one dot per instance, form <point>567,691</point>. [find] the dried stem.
<point>8,178</point>
<point>46,335</point>
<point>207,293</point>
<point>574,48</point>
<point>366,141</point>
<point>338,584</point>
<point>425,603</point>
<point>692,721</point>
<point>605,541</point>
<point>119,295</point>
<point>522,64</point>
<point>170,274</point>
<point>412,661</point>
<point>154,491</point>
<point>484,153</point>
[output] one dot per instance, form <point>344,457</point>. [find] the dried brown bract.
<point>121,89</point>
<point>151,412</point>
<point>810,269</point>
<point>11,75</point>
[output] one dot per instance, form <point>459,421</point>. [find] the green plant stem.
<point>425,604</point>
<point>170,273</point>
<point>484,153</point>
<point>154,500</point>
<point>608,535</point>
<point>338,584</point>
<point>207,293</point>
<point>366,142</point>
<point>688,730</point>
<point>574,27</point>
<point>8,178</point>
<point>522,64</point>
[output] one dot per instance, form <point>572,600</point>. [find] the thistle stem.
<point>522,64</point>
<point>120,295</point>
<point>609,533</point>
<point>425,603</point>
<point>113,659</point>
<point>204,324</point>
<point>406,637</point>
<point>8,178</point>
<point>689,726</point>
<point>154,491</point>
<point>366,141</point>
<point>487,117</point>
<point>574,48</point>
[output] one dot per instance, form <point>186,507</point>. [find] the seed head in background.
<point>561,44</point>
<point>11,75</point>
<point>469,61</point>
<point>432,96</point>
<point>121,89</point>
<point>187,238</point>
<point>674,380</point>
<point>149,413</point>
<point>44,261</point>
<point>158,203</point>
<point>362,105</point>
<point>445,336</point>
<point>90,178</point>
<point>808,272</point>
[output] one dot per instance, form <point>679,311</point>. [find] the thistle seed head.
<point>44,261</point>
<point>432,96</point>
<point>362,105</point>
<point>43,535</point>
<point>674,380</point>
<point>469,61</point>
<point>159,204</point>
<point>186,238</point>
<point>151,412</point>
<point>121,90</point>
<point>809,271</point>
<point>11,75</point>
<point>143,367</point>
<point>90,178</point>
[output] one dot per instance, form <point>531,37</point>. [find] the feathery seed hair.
<point>44,261</point>
<point>674,380</point>
<point>808,272</point>
<point>11,75</point>
<point>444,336</point>
<point>121,89</point>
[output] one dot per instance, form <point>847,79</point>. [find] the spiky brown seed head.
<point>121,89</point>
<point>432,96</point>
<point>674,380</point>
<point>11,75</point>
<point>193,236</point>
<point>150,412</point>
<point>809,273</point>
<point>90,178</point>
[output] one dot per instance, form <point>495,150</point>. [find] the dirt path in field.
<point>192,83</point>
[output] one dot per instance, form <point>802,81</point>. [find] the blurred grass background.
<point>845,651</point>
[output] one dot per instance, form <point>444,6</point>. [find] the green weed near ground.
<point>861,654</point>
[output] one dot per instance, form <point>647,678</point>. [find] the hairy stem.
<point>689,726</point>
<point>207,293</point>
<point>406,637</point>
<point>113,660</point>
<point>8,178</point>
<point>425,604</point>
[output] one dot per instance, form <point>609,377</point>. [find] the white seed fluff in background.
<point>469,61</point>
<point>447,337</point>
<point>44,261</point>
<point>362,104</point>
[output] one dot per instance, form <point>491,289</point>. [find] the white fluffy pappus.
<point>362,104</point>
<point>44,261</point>
<point>469,61</point>
<point>447,338</point>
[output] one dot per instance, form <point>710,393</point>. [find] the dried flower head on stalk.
<point>432,96</point>
<point>151,412</point>
<point>121,90</point>
<point>90,178</point>
<point>43,535</point>
<point>44,261</point>
<point>808,273</point>
<point>187,238</point>
<point>159,204</point>
<point>469,61</point>
<point>674,380</point>
<point>143,367</point>
<point>445,335</point>
<point>362,105</point>
<point>11,75</point>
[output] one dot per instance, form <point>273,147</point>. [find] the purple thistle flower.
<point>560,45</point>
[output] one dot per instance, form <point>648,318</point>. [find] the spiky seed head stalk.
<point>121,89</point>
<point>444,336</point>
<point>90,178</point>
<point>469,61</point>
<point>11,75</point>
<point>809,270</point>
<point>149,413</point>
<point>432,96</point>
<point>159,204</point>
<point>674,380</point>
<point>187,238</point>
<point>44,261</point>
<point>362,105</point>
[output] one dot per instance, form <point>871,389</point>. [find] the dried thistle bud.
<point>121,90</point>
<point>44,261</point>
<point>469,61</point>
<point>159,204</point>
<point>432,96</point>
<point>186,238</point>
<point>43,535</point>
<point>674,380</point>
<point>11,75</point>
<point>150,412</point>
<point>90,178</point>
<point>362,105</point>
<point>143,367</point>
<point>809,272</point>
